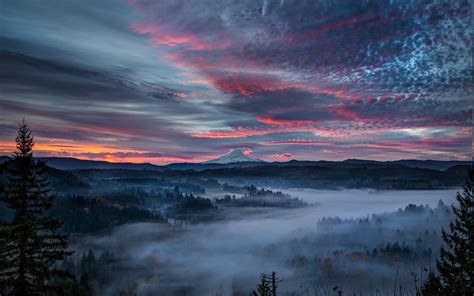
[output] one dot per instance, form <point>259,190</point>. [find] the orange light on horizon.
<point>90,151</point>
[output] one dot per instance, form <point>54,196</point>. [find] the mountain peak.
<point>235,155</point>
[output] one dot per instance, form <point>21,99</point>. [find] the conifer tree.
<point>432,285</point>
<point>263,289</point>
<point>30,245</point>
<point>456,263</point>
<point>268,285</point>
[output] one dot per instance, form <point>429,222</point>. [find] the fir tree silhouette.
<point>263,289</point>
<point>30,245</point>
<point>432,285</point>
<point>456,263</point>
<point>268,285</point>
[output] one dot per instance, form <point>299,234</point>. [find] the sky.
<point>186,81</point>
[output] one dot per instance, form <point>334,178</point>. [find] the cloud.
<point>281,156</point>
<point>200,77</point>
<point>383,47</point>
<point>64,102</point>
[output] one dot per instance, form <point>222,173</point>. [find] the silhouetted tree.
<point>30,245</point>
<point>268,285</point>
<point>84,287</point>
<point>263,289</point>
<point>456,263</point>
<point>432,285</point>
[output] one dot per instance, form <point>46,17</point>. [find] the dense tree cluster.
<point>82,214</point>
<point>254,197</point>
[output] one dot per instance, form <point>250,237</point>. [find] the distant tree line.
<point>255,197</point>
<point>82,214</point>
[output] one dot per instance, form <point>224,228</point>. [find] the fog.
<point>228,256</point>
<point>353,203</point>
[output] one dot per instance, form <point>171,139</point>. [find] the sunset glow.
<point>178,81</point>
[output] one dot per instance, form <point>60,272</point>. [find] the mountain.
<point>234,155</point>
<point>64,163</point>
<point>431,164</point>
<point>236,158</point>
<point>69,163</point>
<point>440,165</point>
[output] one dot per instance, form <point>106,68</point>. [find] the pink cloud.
<point>244,84</point>
<point>280,156</point>
<point>160,36</point>
<point>239,132</point>
<point>335,151</point>
<point>295,142</point>
<point>283,122</point>
<point>243,132</point>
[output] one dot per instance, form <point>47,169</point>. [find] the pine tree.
<point>456,263</point>
<point>268,285</point>
<point>432,285</point>
<point>263,289</point>
<point>31,247</point>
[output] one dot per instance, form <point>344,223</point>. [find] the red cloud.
<point>244,84</point>
<point>285,122</point>
<point>207,55</point>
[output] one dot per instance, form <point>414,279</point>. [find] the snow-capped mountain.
<point>234,155</point>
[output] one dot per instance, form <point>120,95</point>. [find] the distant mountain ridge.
<point>65,163</point>
<point>69,163</point>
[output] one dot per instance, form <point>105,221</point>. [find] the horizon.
<point>264,161</point>
<point>182,82</point>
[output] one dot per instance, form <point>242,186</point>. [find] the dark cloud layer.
<point>183,80</point>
